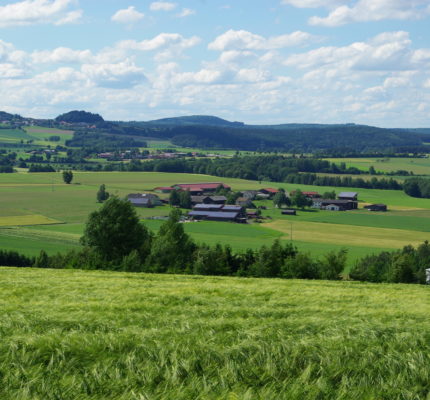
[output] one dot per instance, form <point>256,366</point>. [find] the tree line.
<point>265,168</point>
<point>417,187</point>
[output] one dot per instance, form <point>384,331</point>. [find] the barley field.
<point>69,334</point>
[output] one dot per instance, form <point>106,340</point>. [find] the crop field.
<point>419,166</point>
<point>55,210</point>
<point>39,135</point>
<point>106,335</point>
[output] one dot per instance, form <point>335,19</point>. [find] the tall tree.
<point>185,199</point>
<point>174,199</point>
<point>114,231</point>
<point>172,249</point>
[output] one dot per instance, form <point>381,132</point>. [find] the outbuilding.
<point>376,207</point>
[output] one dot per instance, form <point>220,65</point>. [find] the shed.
<point>376,207</point>
<point>289,212</point>
<point>348,196</point>
<point>140,202</point>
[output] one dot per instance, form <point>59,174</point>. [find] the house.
<point>353,196</point>
<point>153,199</point>
<point>334,205</point>
<point>235,208</point>
<point>309,195</point>
<point>244,202</point>
<point>289,212</point>
<point>200,188</point>
<point>250,194</point>
<point>376,207</point>
<point>263,196</point>
<point>269,191</point>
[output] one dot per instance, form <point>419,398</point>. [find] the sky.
<point>255,61</point>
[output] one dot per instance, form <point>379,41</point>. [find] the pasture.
<point>419,166</point>
<point>58,211</point>
<point>39,135</point>
<point>69,334</point>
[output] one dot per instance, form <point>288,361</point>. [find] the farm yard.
<point>39,211</point>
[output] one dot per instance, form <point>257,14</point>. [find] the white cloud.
<point>61,55</point>
<point>313,3</point>
<point>127,16</point>
<point>386,51</point>
<point>28,12</point>
<point>242,40</point>
<point>116,76</point>
<point>162,6</point>
<point>373,10</point>
<point>186,12</point>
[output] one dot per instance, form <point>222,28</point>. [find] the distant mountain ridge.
<point>195,120</point>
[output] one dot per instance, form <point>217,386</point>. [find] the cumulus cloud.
<point>162,6</point>
<point>127,16</point>
<point>373,10</point>
<point>244,40</point>
<point>61,55</point>
<point>386,51</point>
<point>116,76</point>
<point>29,12</point>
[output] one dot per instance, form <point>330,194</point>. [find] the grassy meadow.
<point>70,334</point>
<point>419,166</point>
<point>35,208</point>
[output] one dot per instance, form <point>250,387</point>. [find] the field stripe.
<point>349,234</point>
<point>22,220</point>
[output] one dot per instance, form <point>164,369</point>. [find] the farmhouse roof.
<point>232,208</point>
<point>271,190</point>
<point>139,200</point>
<point>207,206</point>
<point>214,214</point>
<point>348,194</point>
<point>211,185</point>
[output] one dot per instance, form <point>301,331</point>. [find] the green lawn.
<point>90,335</point>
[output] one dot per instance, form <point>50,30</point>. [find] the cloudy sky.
<point>257,61</point>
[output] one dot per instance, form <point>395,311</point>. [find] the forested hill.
<point>195,120</point>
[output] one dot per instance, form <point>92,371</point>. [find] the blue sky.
<point>257,61</point>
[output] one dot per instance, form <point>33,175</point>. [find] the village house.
<point>250,194</point>
<point>334,205</point>
<point>309,195</point>
<point>208,200</point>
<point>244,202</point>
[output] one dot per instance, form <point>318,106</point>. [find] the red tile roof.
<point>203,186</point>
<point>271,190</point>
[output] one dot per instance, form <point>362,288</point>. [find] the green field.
<point>43,199</point>
<point>39,135</point>
<point>419,166</point>
<point>70,334</point>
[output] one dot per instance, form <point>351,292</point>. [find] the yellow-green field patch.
<point>32,219</point>
<point>315,232</point>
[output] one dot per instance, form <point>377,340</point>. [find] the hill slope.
<point>104,335</point>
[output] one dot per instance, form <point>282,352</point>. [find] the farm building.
<point>250,194</point>
<point>244,202</point>
<point>218,212</point>
<point>309,195</point>
<point>200,188</point>
<point>207,207</point>
<point>216,216</point>
<point>144,199</point>
<point>352,196</point>
<point>208,200</point>
<point>376,207</point>
<point>269,191</point>
<point>334,205</point>
<point>289,212</point>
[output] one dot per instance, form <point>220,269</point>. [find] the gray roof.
<point>139,200</point>
<point>214,214</point>
<point>218,198</point>
<point>207,206</point>
<point>348,194</point>
<point>229,207</point>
